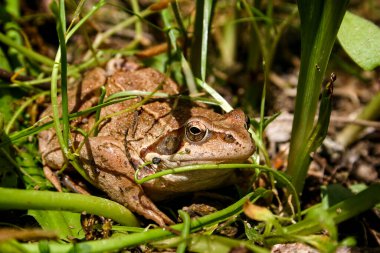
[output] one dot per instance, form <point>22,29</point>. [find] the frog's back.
<point>144,79</point>
<point>85,94</point>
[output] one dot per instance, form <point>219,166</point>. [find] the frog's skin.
<point>169,132</point>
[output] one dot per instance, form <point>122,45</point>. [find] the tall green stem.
<point>320,21</point>
<point>61,31</point>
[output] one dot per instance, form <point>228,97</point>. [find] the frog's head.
<point>205,137</point>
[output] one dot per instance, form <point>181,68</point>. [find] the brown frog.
<point>161,134</point>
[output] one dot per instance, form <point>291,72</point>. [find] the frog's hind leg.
<point>131,195</point>
<point>53,161</point>
<point>106,163</point>
<point>52,157</point>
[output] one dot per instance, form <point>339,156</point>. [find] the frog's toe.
<point>150,211</point>
<point>53,178</point>
<point>161,219</point>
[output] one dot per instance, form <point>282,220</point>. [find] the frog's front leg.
<point>106,163</point>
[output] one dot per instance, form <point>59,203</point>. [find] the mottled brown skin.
<point>169,132</point>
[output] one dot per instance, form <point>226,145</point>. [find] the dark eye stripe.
<point>166,145</point>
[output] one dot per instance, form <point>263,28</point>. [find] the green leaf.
<point>6,104</point>
<point>360,39</point>
<point>252,232</point>
<point>325,220</point>
<point>11,246</point>
<point>8,176</point>
<point>66,224</point>
<point>4,63</point>
<point>32,174</point>
<point>356,188</point>
<point>335,193</point>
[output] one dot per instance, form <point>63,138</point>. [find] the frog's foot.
<point>150,211</point>
<point>106,163</point>
<point>66,181</point>
<point>53,178</point>
<point>73,186</point>
<point>125,191</point>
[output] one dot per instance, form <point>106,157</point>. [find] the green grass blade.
<point>342,211</point>
<point>61,31</point>
<point>26,51</point>
<point>203,16</point>
<point>94,9</point>
<point>351,132</point>
<point>319,132</point>
<point>122,241</point>
<point>173,37</point>
<point>21,109</point>
<point>185,231</point>
<point>54,94</point>
<point>320,21</point>
<point>73,202</point>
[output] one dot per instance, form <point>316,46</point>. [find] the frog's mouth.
<point>161,162</point>
<point>156,164</point>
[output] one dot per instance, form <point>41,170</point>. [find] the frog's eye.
<point>247,122</point>
<point>195,131</point>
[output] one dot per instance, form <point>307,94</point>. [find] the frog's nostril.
<point>229,138</point>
